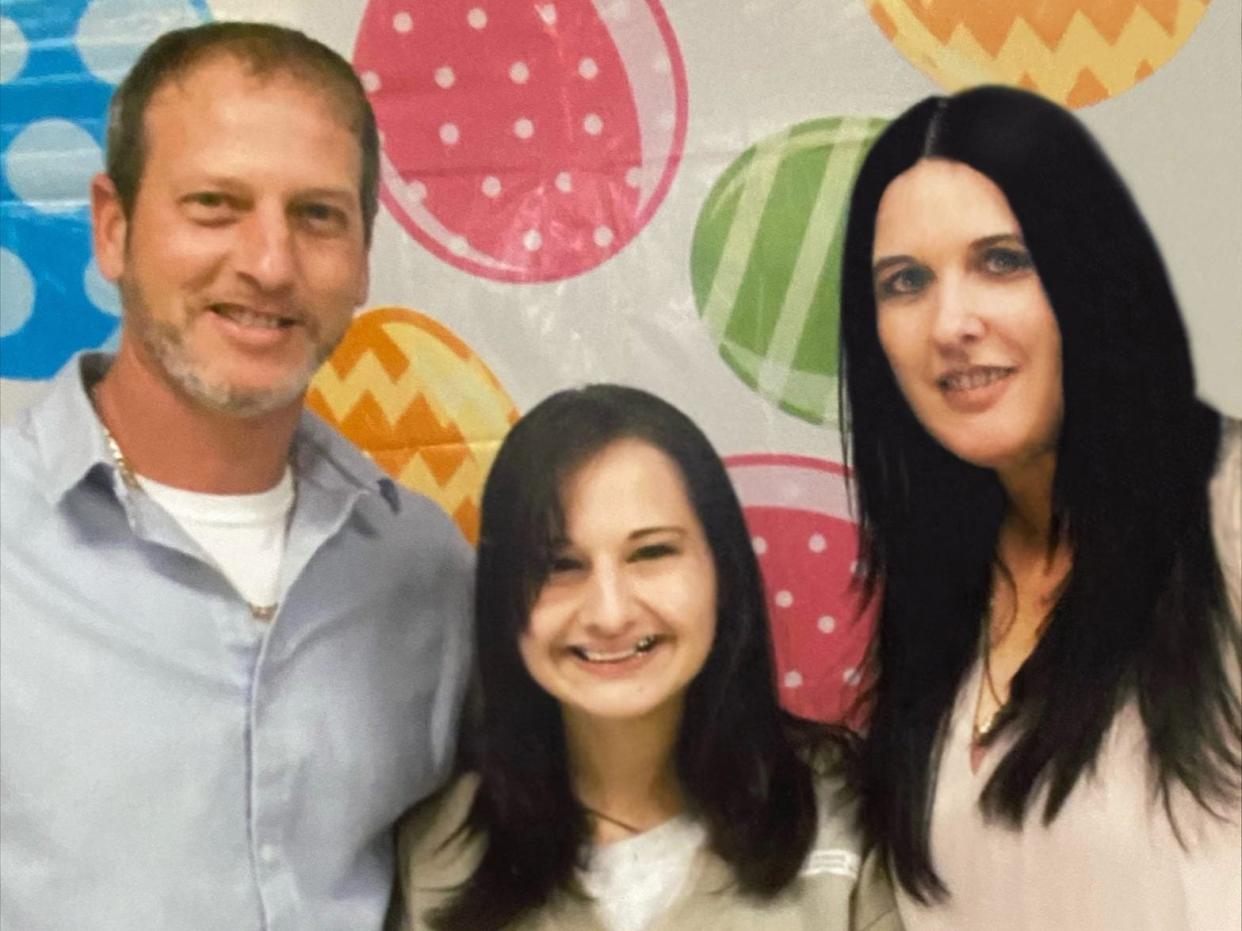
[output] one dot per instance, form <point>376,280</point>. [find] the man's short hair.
<point>266,50</point>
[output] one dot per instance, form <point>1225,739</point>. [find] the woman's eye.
<point>908,280</point>
<point>1006,261</point>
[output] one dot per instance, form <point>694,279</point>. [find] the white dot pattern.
<point>547,12</point>
<point>760,545</point>
<point>532,241</point>
<point>784,598</point>
<point>370,81</point>
<point>523,128</point>
<point>826,624</point>
<point>817,543</point>
<point>449,134</point>
<point>793,679</point>
<point>445,77</point>
<point>588,69</point>
<point>564,183</point>
<point>519,73</point>
<point>403,22</point>
<point>490,186</point>
<point>593,124</point>
<point>477,18</point>
<point>16,49</point>
<point>603,236</point>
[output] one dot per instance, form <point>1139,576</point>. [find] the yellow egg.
<point>421,403</point>
<point>1076,52</point>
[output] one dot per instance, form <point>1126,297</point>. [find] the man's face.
<point>244,254</point>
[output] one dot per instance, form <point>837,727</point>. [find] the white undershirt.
<point>243,534</point>
<point>635,880</point>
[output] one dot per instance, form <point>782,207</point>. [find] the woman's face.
<point>627,616</point>
<point>963,318</point>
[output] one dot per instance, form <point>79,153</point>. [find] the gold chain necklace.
<point>981,730</point>
<point>130,478</point>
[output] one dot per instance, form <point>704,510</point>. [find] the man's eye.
<point>322,216</point>
<point>908,280</point>
<point>208,203</point>
<point>1006,260</point>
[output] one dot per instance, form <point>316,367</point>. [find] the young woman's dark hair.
<point>738,755</point>
<point>1143,613</point>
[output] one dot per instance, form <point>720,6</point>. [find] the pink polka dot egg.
<point>524,141</point>
<point>804,536</point>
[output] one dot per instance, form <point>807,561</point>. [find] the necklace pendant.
<point>263,612</point>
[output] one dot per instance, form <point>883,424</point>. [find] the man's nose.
<point>266,248</point>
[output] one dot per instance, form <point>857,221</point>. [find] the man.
<point>231,651</point>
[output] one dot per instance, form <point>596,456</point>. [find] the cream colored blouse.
<point>1110,861</point>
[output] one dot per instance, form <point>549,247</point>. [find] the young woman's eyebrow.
<point>649,531</point>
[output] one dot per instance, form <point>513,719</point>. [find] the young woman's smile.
<point>627,615</point>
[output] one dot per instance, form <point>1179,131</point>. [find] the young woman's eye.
<point>653,551</point>
<point>562,564</point>
<point>1006,260</point>
<point>910,279</point>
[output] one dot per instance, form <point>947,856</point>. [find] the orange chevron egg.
<point>420,402</point>
<point>1076,52</point>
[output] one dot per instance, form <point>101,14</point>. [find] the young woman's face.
<point>627,616</point>
<point>963,318</point>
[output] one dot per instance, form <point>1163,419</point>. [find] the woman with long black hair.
<point>1054,739</point>
<point>631,768</point>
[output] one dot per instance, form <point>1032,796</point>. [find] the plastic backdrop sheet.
<point>643,191</point>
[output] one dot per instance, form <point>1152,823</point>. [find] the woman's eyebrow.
<point>997,239</point>
<point>888,262</point>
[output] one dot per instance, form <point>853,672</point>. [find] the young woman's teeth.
<point>645,645</point>
<point>975,378</point>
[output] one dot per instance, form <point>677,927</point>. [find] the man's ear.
<point>364,281</point>
<point>108,226</point>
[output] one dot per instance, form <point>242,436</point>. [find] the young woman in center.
<point>1054,742</point>
<point>631,769</point>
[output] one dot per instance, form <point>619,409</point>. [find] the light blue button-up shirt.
<point>166,762</point>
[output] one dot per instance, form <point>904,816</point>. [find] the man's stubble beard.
<point>164,343</point>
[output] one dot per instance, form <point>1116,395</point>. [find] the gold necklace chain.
<point>130,478</point>
<point>980,730</point>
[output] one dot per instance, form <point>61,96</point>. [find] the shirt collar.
<point>71,437</point>
<point>66,427</point>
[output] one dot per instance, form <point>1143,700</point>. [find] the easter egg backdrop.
<point>420,403</point>
<point>639,191</point>
<point>1077,52</point>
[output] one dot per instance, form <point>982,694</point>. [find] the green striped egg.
<point>766,258</point>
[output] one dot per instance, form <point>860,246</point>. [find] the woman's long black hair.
<point>1143,614</point>
<point>742,762</point>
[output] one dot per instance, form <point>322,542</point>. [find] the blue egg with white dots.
<point>60,60</point>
